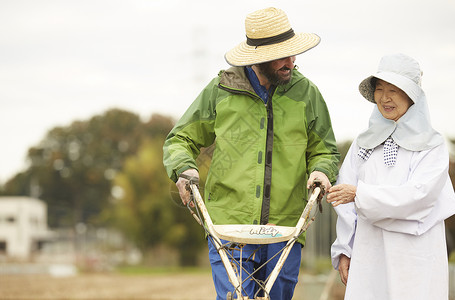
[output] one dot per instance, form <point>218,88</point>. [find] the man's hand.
<point>341,194</point>
<point>317,175</point>
<point>343,268</point>
<point>181,185</point>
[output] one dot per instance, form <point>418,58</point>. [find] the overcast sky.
<point>62,61</point>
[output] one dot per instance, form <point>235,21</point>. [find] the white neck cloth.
<point>413,131</point>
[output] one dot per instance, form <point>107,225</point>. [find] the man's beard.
<point>272,75</point>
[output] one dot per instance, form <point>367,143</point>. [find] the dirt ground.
<point>105,286</point>
<point>123,287</point>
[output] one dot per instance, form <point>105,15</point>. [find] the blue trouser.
<point>284,285</point>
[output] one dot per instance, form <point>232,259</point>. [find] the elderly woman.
<point>395,193</point>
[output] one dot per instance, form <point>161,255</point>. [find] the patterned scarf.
<point>390,152</point>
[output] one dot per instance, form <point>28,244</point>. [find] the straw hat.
<point>398,69</point>
<point>269,37</point>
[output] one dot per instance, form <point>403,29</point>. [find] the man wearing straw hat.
<point>273,137</point>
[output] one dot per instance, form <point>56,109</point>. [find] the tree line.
<point>108,171</point>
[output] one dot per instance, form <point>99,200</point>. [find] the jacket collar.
<point>235,79</point>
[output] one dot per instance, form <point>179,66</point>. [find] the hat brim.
<point>411,89</point>
<point>245,55</point>
<point>366,88</point>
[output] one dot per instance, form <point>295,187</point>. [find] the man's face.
<point>278,72</point>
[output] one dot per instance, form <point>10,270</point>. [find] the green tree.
<point>72,168</point>
<point>112,164</point>
<point>147,208</point>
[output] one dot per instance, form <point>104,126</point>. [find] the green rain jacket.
<point>263,153</point>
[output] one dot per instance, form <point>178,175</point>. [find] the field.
<point>106,286</point>
<point>167,286</point>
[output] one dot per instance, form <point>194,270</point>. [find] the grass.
<point>318,266</point>
<point>144,270</point>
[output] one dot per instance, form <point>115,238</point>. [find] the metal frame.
<point>253,234</point>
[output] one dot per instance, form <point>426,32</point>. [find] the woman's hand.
<point>341,194</point>
<point>343,268</point>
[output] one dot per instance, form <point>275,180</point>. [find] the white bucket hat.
<point>398,69</point>
<point>269,37</point>
<point>413,131</point>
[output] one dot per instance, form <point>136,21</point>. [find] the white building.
<point>23,226</point>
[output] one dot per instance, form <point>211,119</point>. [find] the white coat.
<point>394,231</point>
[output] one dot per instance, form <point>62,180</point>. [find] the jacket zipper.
<point>265,210</point>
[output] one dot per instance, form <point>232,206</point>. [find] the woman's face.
<point>392,102</point>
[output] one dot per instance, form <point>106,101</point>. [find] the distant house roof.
<point>19,198</point>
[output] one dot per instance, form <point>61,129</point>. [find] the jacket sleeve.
<point>420,196</point>
<point>347,216</point>
<point>192,132</point>
<point>322,153</point>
